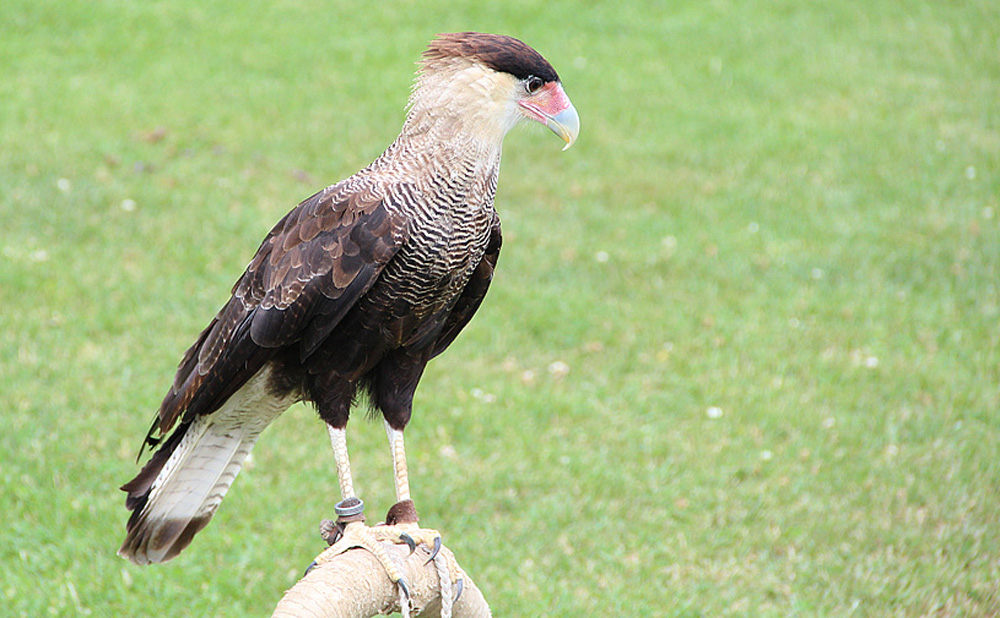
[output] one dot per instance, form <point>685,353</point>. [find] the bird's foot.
<point>401,521</point>
<point>350,531</point>
<point>400,528</point>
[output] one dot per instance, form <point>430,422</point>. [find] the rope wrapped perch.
<point>355,585</point>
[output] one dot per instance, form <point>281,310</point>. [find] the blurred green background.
<point>740,357</point>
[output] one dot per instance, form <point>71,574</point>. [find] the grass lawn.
<point>741,357</point>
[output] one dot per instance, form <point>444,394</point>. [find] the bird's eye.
<point>532,84</point>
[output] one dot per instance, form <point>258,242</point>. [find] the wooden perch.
<point>355,585</point>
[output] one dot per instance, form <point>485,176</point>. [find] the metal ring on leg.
<point>349,509</point>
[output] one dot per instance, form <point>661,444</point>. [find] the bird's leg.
<point>350,531</point>
<point>393,386</point>
<point>338,439</point>
<point>402,516</point>
<point>398,462</point>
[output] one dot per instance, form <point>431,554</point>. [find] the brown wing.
<point>309,271</point>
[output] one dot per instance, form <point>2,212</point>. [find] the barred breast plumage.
<point>450,216</point>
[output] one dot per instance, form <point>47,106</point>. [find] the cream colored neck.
<point>464,104</point>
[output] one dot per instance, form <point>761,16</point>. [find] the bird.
<point>351,293</point>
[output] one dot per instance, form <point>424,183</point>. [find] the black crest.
<point>501,53</point>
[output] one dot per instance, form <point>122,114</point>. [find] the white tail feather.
<point>199,472</point>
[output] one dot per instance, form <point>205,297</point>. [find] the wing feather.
<point>311,269</point>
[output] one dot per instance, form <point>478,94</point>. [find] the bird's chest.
<point>450,227</point>
<point>450,215</point>
<point>414,296</point>
<point>443,251</point>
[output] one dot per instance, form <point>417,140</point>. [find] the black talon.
<point>406,538</point>
<point>461,586</point>
<point>331,531</point>
<point>402,586</point>
<point>309,568</point>
<point>437,548</point>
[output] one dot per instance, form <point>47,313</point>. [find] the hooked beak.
<point>551,107</point>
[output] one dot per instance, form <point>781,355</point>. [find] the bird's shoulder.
<point>328,239</point>
<point>327,251</point>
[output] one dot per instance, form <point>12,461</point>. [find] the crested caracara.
<point>352,292</point>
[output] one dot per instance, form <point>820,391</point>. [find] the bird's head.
<point>482,85</point>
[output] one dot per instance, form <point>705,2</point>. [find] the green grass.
<point>789,211</point>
